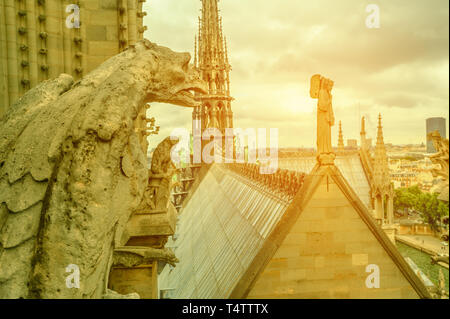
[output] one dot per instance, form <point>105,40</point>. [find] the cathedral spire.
<point>363,133</point>
<point>195,52</point>
<point>213,65</point>
<point>341,138</point>
<point>363,126</point>
<point>380,139</point>
<point>211,33</point>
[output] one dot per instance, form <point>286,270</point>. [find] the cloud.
<point>400,70</point>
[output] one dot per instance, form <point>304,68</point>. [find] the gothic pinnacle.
<point>380,131</point>
<point>341,138</point>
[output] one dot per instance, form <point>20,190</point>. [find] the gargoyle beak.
<point>186,94</point>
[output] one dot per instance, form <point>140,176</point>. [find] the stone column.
<point>32,45</point>
<point>52,36</point>
<point>390,210</point>
<point>67,41</point>
<point>42,43</point>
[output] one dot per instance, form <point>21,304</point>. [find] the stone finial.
<point>195,52</point>
<point>440,159</point>
<point>321,90</point>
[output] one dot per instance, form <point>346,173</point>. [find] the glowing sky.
<point>400,70</point>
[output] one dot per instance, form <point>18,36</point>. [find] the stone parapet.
<point>283,182</point>
<point>36,45</point>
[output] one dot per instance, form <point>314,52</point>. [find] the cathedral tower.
<point>383,192</point>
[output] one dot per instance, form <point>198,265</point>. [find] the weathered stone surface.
<point>15,266</point>
<point>111,294</point>
<point>62,145</point>
<point>25,193</point>
<point>108,28</point>
<point>135,256</point>
<point>20,227</point>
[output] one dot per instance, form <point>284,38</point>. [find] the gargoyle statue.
<point>72,169</point>
<point>161,161</point>
<point>157,194</point>
<point>441,158</point>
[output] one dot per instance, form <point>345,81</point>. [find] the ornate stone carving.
<point>72,169</point>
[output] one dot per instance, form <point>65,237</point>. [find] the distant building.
<point>435,124</point>
<point>404,179</point>
<point>407,172</point>
<point>352,143</point>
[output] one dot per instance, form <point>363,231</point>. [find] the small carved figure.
<point>73,168</point>
<point>161,160</point>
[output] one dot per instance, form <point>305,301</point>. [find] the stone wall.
<point>35,43</point>
<point>142,280</point>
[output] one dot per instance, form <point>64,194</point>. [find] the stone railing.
<point>283,182</point>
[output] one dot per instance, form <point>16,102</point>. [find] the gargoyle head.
<point>174,81</point>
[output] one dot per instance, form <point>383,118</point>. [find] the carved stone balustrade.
<point>283,182</point>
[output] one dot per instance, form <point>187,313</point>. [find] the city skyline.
<point>402,71</point>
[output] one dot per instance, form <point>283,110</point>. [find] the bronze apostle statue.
<point>321,89</point>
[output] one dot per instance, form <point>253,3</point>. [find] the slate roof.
<point>350,165</point>
<point>228,225</point>
<point>219,234</point>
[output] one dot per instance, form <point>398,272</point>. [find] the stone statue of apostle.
<point>321,89</point>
